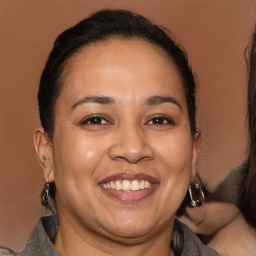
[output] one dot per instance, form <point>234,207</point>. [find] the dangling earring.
<point>196,194</point>
<point>44,201</point>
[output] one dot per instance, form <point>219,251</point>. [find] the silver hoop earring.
<point>196,194</point>
<point>44,201</point>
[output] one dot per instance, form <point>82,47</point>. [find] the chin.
<point>130,235</point>
<point>131,227</point>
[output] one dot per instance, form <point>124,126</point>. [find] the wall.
<point>214,32</point>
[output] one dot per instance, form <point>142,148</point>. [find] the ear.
<point>44,152</point>
<point>196,151</point>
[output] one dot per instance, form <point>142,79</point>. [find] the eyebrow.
<point>105,100</point>
<point>155,100</point>
<point>94,99</point>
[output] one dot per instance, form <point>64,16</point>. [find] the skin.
<point>209,218</point>
<point>222,227</point>
<point>129,136</point>
<point>236,238</point>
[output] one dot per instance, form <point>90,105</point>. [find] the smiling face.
<point>122,153</point>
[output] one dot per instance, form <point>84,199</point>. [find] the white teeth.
<point>118,185</point>
<point>142,184</point>
<point>135,185</point>
<point>127,185</point>
<point>112,185</point>
<point>147,184</point>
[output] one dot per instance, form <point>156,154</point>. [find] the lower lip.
<point>130,196</point>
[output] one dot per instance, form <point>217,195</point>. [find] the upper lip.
<point>129,176</point>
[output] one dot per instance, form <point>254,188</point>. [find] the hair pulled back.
<point>101,26</point>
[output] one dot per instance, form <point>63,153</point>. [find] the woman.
<point>118,144</point>
<point>227,223</point>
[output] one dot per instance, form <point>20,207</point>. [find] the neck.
<point>73,239</point>
<point>237,238</point>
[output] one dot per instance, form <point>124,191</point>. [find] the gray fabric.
<point>41,241</point>
<point>229,188</point>
<point>184,241</point>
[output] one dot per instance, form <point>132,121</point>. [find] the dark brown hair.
<point>247,202</point>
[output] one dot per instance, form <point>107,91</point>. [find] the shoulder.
<point>40,242</point>
<point>229,189</point>
<point>5,251</point>
<point>187,243</point>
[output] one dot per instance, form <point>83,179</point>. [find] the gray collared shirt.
<point>41,242</point>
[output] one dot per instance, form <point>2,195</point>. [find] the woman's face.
<point>122,152</point>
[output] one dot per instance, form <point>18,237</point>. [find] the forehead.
<point>125,64</point>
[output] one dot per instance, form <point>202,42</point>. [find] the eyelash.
<point>94,120</point>
<point>99,120</point>
<point>162,120</point>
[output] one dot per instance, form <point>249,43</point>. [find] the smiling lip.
<point>147,184</point>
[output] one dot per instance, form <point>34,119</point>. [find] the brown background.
<point>215,33</point>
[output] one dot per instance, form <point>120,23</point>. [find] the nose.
<point>130,144</point>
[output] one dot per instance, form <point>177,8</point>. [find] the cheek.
<point>76,155</point>
<point>175,155</point>
<point>175,151</point>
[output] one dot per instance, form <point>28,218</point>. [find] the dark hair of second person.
<point>247,202</point>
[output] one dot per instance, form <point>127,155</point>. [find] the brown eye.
<point>160,121</point>
<point>95,120</point>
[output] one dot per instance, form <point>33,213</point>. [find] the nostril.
<point>131,152</point>
<point>133,159</point>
